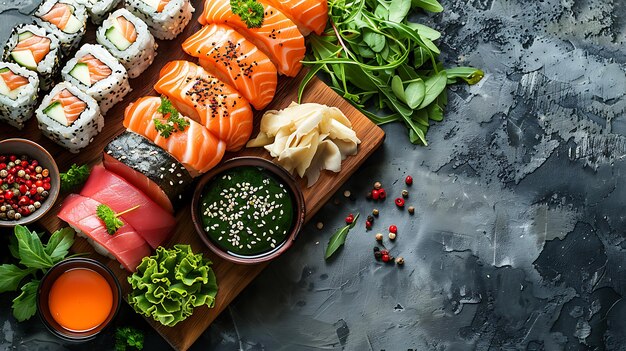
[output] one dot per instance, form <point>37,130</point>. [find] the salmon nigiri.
<point>207,100</point>
<point>193,146</point>
<point>230,57</point>
<point>309,15</point>
<point>273,33</point>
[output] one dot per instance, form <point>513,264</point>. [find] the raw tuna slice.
<point>126,246</point>
<point>150,220</point>
<point>149,168</point>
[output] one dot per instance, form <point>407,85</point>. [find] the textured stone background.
<point>518,239</point>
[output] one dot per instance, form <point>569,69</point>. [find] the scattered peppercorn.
<point>375,212</point>
<point>384,252</point>
<point>379,236</point>
<point>349,220</point>
<point>385,258</point>
<point>370,218</point>
<point>375,194</point>
<point>377,255</point>
<point>393,229</point>
<point>400,261</point>
<point>408,180</point>
<point>411,210</point>
<point>347,193</point>
<point>400,202</point>
<point>368,225</point>
<point>376,248</point>
<point>368,195</point>
<point>319,225</point>
<point>382,194</point>
<point>377,185</point>
<point>392,236</point>
<point>405,193</point>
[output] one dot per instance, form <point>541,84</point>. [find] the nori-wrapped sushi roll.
<point>149,168</point>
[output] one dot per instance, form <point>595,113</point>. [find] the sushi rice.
<point>19,105</point>
<point>79,133</point>
<point>99,9</point>
<point>71,35</point>
<point>107,91</point>
<point>167,24</point>
<point>140,54</point>
<point>48,67</point>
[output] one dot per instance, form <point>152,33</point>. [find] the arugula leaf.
<point>415,92</point>
<point>468,74</point>
<point>128,337</point>
<point>250,12</point>
<point>398,9</point>
<point>434,86</point>
<point>339,238</point>
<point>25,305</point>
<point>59,244</point>
<point>12,275</point>
<point>30,249</point>
<point>428,5</point>
<point>74,177</point>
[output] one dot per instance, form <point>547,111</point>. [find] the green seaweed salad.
<point>376,56</point>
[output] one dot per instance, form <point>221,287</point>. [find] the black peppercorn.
<point>370,218</point>
<point>378,255</point>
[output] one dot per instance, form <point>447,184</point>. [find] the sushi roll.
<point>18,94</point>
<point>69,117</point>
<point>148,167</point>
<point>99,9</point>
<point>66,19</point>
<point>127,38</point>
<point>165,18</point>
<point>97,73</point>
<point>31,47</point>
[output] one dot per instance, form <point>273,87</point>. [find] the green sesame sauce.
<point>247,211</point>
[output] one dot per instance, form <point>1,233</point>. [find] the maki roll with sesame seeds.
<point>99,9</point>
<point>127,38</point>
<point>165,18</point>
<point>66,19</point>
<point>149,168</point>
<point>97,73</point>
<point>18,94</point>
<point>69,117</point>
<point>33,48</point>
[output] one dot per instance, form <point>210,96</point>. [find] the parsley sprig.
<point>74,176</point>
<point>110,218</point>
<point>172,120</point>
<point>250,12</point>
<point>128,338</point>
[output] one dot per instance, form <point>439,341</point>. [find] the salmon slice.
<point>207,100</point>
<point>126,246</point>
<point>309,15</point>
<point>127,28</point>
<point>38,46</point>
<point>13,81</point>
<point>153,223</point>
<point>230,57</point>
<point>72,106</point>
<point>195,147</point>
<point>58,15</point>
<point>97,69</point>
<point>278,37</point>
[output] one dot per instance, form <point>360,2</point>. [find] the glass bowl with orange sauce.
<point>78,298</point>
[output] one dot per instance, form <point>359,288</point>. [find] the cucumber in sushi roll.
<point>64,18</point>
<point>69,117</point>
<point>99,9</point>
<point>127,38</point>
<point>31,47</point>
<point>165,18</point>
<point>97,73</point>
<point>18,94</point>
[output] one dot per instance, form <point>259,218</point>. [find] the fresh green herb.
<point>74,177</point>
<point>168,285</point>
<point>250,12</point>
<point>110,218</point>
<point>377,58</point>
<point>173,121</point>
<point>35,259</point>
<point>339,238</point>
<point>128,338</point>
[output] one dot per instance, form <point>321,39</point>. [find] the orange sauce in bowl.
<point>80,300</point>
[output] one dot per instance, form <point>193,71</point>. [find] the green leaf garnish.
<point>59,244</point>
<point>250,12</point>
<point>172,120</point>
<point>25,305</point>
<point>339,238</point>
<point>12,275</point>
<point>128,338</point>
<point>30,249</point>
<point>74,176</point>
<point>110,218</point>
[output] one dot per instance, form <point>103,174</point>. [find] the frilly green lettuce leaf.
<point>168,285</point>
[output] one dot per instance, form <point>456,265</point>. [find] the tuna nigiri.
<point>153,223</point>
<point>195,147</point>
<point>230,57</point>
<point>278,36</point>
<point>309,15</point>
<point>126,246</point>
<point>207,100</point>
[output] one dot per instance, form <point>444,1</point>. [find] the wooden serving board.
<point>232,278</point>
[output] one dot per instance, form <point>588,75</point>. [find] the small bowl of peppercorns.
<point>29,182</point>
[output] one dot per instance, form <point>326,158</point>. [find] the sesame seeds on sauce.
<point>247,211</point>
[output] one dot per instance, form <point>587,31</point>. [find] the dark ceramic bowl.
<point>281,175</point>
<point>31,149</point>
<point>44,290</point>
